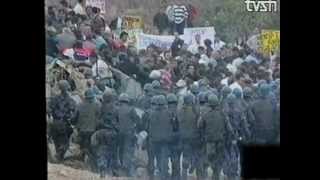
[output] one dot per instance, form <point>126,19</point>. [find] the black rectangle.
<point>260,162</point>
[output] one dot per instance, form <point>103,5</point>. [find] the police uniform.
<point>62,108</point>
<point>127,120</point>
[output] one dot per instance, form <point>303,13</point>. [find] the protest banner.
<point>133,36</point>
<point>204,32</point>
<point>144,40</point>
<point>101,4</point>
<point>131,22</point>
<point>269,41</point>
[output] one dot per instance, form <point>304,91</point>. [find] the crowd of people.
<point>200,101</point>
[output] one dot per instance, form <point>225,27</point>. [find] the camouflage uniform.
<point>160,134</point>
<point>174,144</point>
<point>87,120</point>
<point>187,118</point>
<point>214,134</point>
<point>104,150</point>
<point>144,101</point>
<point>200,161</point>
<point>266,124</point>
<point>236,130</point>
<point>127,120</point>
<point>62,108</point>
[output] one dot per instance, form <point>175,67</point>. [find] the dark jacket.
<point>109,115</point>
<point>88,116</point>
<point>265,122</point>
<point>62,108</point>
<point>215,127</point>
<point>127,119</point>
<point>161,21</point>
<point>187,117</point>
<point>160,126</point>
<point>176,47</point>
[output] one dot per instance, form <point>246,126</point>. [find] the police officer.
<point>187,118</point>
<point>174,144</point>
<point>248,95</point>
<point>244,113</point>
<point>232,155</point>
<point>225,91</point>
<point>200,152</point>
<point>146,124</point>
<point>104,150</point>
<point>62,108</point>
<point>156,88</point>
<point>87,120</point>
<point>160,132</point>
<point>108,109</point>
<point>215,131</point>
<point>144,101</point>
<point>127,120</point>
<point>265,126</point>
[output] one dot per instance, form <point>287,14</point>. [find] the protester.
<point>176,45</point>
<point>180,14</point>
<point>161,21</point>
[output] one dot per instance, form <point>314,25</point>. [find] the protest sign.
<point>204,32</point>
<point>269,41</point>
<point>132,22</point>
<point>144,40</point>
<point>101,4</point>
<point>133,36</point>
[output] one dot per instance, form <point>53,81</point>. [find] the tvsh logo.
<point>261,6</point>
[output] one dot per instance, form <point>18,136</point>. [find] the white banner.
<point>144,40</point>
<point>101,4</point>
<point>204,32</point>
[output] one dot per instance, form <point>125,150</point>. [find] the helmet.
<point>213,100</point>
<point>124,97</point>
<point>147,87</point>
<point>89,94</point>
<point>214,91</point>
<point>154,100</point>
<point>264,90</point>
<point>188,99</point>
<point>226,90</point>
<point>203,97</point>
<point>156,84</point>
<point>161,100</point>
<point>237,92</point>
<point>231,98</point>
<point>64,85</point>
<point>172,98</point>
<point>194,88</point>
<point>247,92</point>
<point>108,95</point>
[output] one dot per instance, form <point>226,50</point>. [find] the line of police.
<point>207,130</point>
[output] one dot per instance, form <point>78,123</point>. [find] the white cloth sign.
<point>101,4</point>
<point>144,40</point>
<point>204,32</point>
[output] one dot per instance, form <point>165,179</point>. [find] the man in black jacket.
<point>161,21</point>
<point>176,45</point>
